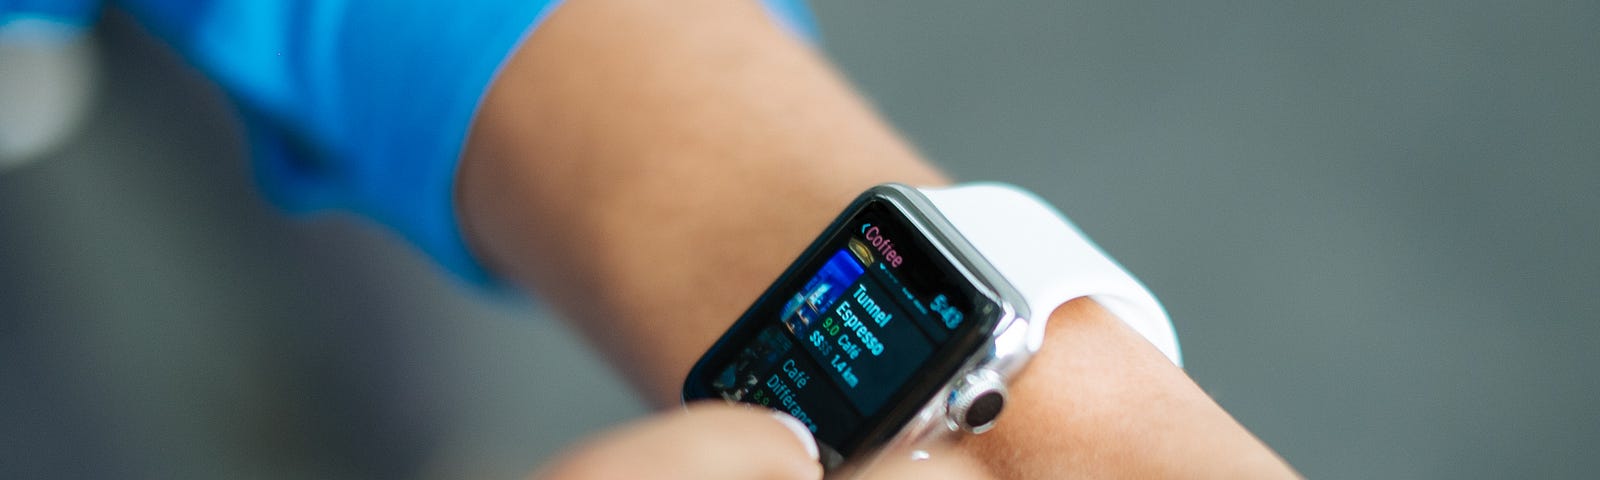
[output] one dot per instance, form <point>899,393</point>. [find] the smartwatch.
<point>904,321</point>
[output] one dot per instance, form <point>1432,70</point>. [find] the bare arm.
<point>649,167</point>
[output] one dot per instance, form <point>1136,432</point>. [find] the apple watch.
<point>904,321</point>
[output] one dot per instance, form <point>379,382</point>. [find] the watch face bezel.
<point>991,308</point>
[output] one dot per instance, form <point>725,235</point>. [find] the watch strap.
<point>1048,260</point>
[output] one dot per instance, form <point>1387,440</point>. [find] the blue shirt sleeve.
<point>47,21</point>
<point>354,105</point>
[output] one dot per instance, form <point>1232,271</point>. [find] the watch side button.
<point>976,403</point>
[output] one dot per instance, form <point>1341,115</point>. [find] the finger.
<point>704,442</point>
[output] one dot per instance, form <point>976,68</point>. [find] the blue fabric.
<point>45,21</point>
<point>357,105</point>
<point>71,12</point>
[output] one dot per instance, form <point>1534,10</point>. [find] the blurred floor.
<point>1374,225</point>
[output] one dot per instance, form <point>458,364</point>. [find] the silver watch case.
<point>1000,359</point>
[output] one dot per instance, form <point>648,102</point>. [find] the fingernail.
<point>800,431</point>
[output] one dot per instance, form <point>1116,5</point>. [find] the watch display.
<point>857,335</point>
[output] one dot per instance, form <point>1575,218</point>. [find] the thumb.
<point>704,442</point>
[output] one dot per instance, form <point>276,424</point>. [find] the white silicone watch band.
<point>1048,261</point>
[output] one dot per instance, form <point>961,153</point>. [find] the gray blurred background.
<point>1374,223</point>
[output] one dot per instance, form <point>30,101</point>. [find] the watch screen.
<point>856,336</point>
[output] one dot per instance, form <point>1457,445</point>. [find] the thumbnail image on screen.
<point>744,373</point>
<point>812,301</point>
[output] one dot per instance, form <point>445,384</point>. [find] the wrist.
<point>1098,400</point>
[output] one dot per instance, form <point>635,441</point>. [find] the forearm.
<point>650,167</point>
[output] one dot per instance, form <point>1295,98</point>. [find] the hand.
<point>713,441</point>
